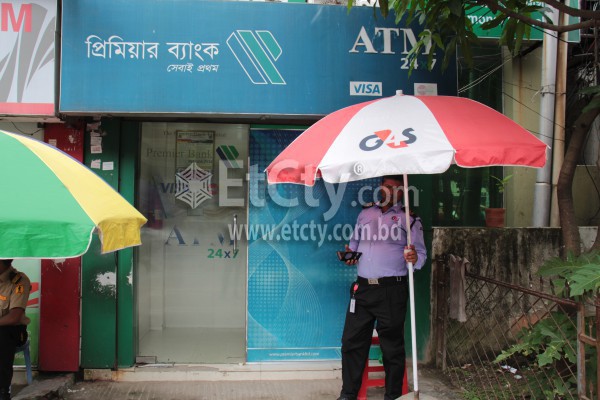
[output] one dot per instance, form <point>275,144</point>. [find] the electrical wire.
<point>532,110</point>
<point>522,87</point>
<point>489,73</point>
<point>477,81</point>
<point>23,132</point>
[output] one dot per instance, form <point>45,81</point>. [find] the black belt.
<point>385,281</point>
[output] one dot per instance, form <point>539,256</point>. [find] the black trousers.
<point>387,306</point>
<point>10,338</point>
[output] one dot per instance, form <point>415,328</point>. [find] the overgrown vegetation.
<point>549,347</point>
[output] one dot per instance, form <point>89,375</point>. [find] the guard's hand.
<point>410,254</point>
<point>350,262</point>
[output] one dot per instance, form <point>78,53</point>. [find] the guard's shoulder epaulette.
<point>368,205</point>
<point>15,277</point>
<point>411,212</point>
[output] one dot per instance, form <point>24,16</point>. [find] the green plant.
<point>580,274</point>
<point>551,342</point>
<point>471,394</point>
<point>545,342</point>
<point>501,183</point>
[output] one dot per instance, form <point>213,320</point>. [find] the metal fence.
<point>515,342</point>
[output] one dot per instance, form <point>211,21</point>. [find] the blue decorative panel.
<point>298,291</point>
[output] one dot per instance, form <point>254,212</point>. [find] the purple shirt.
<point>381,238</point>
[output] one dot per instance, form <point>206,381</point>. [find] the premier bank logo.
<point>257,52</point>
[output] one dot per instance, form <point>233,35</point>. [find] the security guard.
<point>14,293</point>
<point>380,292</point>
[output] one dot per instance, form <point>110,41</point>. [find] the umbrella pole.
<point>411,287</point>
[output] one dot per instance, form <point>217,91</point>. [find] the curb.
<point>45,389</point>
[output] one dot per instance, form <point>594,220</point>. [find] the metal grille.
<point>501,316</point>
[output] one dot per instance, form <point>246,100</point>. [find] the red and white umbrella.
<point>405,135</point>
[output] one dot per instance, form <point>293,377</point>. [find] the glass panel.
<point>191,276</point>
<point>462,194</point>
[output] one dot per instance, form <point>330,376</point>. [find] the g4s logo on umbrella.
<point>393,140</point>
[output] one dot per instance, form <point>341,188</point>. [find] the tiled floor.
<point>433,385</point>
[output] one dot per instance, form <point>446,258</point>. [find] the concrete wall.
<point>507,255</point>
<point>588,236</point>
<point>511,255</point>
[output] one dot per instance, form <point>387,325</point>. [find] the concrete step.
<point>220,372</point>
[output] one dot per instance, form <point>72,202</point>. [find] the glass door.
<point>191,276</point>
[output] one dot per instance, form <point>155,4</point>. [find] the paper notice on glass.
<point>195,147</point>
<point>96,140</point>
<point>95,164</point>
<point>108,165</point>
<point>96,150</point>
<point>52,142</point>
<point>93,127</point>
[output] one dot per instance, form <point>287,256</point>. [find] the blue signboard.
<point>236,58</point>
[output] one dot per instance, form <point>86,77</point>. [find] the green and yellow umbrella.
<point>51,204</point>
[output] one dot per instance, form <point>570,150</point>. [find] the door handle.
<point>235,231</point>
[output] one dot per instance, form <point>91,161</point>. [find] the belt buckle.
<point>373,281</point>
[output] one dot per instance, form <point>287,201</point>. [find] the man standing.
<point>14,293</point>
<point>380,292</point>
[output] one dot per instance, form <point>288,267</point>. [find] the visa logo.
<point>366,89</point>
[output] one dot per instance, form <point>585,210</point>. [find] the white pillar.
<point>543,184</point>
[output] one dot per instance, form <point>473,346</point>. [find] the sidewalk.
<point>431,384</point>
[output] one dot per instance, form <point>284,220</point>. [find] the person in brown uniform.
<point>14,293</point>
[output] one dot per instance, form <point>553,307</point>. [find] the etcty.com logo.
<point>257,51</point>
<point>392,140</point>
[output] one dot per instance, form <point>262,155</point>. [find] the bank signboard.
<point>237,58</point>
<point>27,30</point>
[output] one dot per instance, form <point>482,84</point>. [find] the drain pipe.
<point>543,185</point>
<point>558,148</point>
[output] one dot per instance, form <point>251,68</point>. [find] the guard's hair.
<point>399,178</point>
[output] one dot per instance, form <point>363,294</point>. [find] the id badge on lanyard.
<point>352,299</point>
